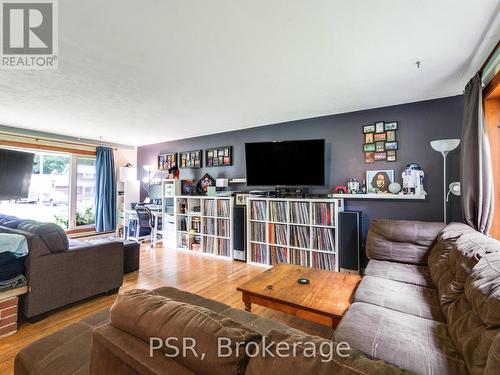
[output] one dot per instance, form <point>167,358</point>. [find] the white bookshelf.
<point>170,189</point>
<point>204,225</point>
<point>295,231</point>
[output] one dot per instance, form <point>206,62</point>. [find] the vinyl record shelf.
<point>294,231</point>
<point>204,225</point>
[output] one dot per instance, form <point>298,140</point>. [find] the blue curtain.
<point>105,191</point>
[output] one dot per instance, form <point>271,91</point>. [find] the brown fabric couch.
<point>430,299</point>
<point>62,271</point>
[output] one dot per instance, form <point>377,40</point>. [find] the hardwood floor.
<point>208,276</point>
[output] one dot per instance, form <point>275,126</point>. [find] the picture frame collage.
<point>219,156</point>
<point>214,157</point>
<point>190,159</point>
<point>167,161</point>
<point>380,141</point>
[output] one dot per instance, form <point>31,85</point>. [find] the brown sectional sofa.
<point>430,299</point>
<point>428,304</point>
<point>62,271</point>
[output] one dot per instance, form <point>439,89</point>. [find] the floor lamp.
<point>444,146</point>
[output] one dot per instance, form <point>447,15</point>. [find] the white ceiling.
<point>140,72</point>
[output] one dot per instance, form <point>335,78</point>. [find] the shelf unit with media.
<point>204,225</point>
<point>296,231</point>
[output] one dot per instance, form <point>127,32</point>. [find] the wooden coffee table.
<point>324,300</point>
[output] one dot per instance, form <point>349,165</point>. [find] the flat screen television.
<point>15,174</point>
<point>288,163</point>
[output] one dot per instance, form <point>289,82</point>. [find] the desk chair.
<point>147,226</point>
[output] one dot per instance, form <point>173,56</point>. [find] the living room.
<point>250,187</point>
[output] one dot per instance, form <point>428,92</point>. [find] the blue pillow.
<point>14,243</point>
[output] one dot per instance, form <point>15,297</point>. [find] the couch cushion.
<point>66,351</point>
<point>463,254</point>
<point>51,234</point>
<point>406,273</point>
<point>416,344</point>
<point>474,317</point>
<point>407,298</point>
<point>258,324</point>
<point>145,314</point>
<point>280,357</point>
<point>401,240</point>
<point>9,221</point>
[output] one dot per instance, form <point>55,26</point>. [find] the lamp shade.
<point>455,188</point>
<point>445,145</point>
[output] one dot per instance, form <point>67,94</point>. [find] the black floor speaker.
<point>350,242</point>
<point>239,233</point>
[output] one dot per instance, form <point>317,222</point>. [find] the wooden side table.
<point>9,302</point>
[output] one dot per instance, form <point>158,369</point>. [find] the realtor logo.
<point>29,34</point>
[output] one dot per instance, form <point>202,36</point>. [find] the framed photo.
<point>391,155</point>
<point>380,146</point>
<point>380,156</point>
<point>188,187</point>
<point>379,127</point>
<point>167,161</point>
<point>219,156</point>
<point>379,137</point>
<point>391,136</point>
<point>190,159</point>
<point>369,128</point>
<point>369,157</point>
<point>391,145</point>
<point>369,147</point>
<point>205,182</point>
<point>379,181</point>
<point>369,137</point>
<point>391,125</point>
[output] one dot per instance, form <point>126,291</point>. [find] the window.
<point>62,191</point>
<point>85,182</point>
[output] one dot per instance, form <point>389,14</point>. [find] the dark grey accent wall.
<point>419,123</point>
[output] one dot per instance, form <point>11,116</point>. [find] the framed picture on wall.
<point>369,157</point>
<point>391,136</point>
<point>379,127</point>
<point>379,181</point>
<point>393,125</point>
<point>369,128</point>
<point>391,155</point>
<point>219,156</point>
<point>369,138</point>
<point>190,159</point>
<point>167,161</point>
<point>369,147</point>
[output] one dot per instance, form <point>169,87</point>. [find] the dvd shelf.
<point>258,210</point>
<point>293,230</point>
<point>299,212</point>
<point>300,257</point>
<point>323,239</point>
<point>204,225</point>
<point>258,231</point>
<point>277,234</point>
<point>259,253</point>
<point>278,255</point>
<point>323,261</point>
<point>277,212</point>
<point>322,214</point>
<point>223,227</point>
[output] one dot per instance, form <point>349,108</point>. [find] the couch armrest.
<point>61,278</point>
<point>401,241</point>
<point>114,351</point>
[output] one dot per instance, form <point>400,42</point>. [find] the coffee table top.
<point>328,293</point>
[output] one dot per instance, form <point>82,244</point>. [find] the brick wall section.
<point>8,316</point>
